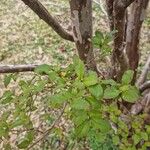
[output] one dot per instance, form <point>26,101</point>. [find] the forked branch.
<point>43,13</point>
<point>127,3</point>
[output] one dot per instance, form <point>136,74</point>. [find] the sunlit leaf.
<point>91,79</point>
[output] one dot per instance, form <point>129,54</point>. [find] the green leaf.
<point>101,137</point>
<point>102,124</point>
<point>116,140</point>
<point>96,90</point>
<point>40,86</point>
<point>94,102</point>
<point>4,129</point>
<point>97,39</point>
<point>42,69</point>
<point>91,79</point>
<point>7,79</point>
<point>53,75</point>
<point>144,136</point>
<point>21,119</point>
<point>79,69</point>
<point>131,95</point>
<point>109,82</point>
<point>111,93</point>
<point>26,141</point>
<point>7,97</point>
<point>127,77</point>
<point>82,130</point>
<point>80,104</point>
<point>136,138</point>
<point>59,99</point>
<point>78,84</point>
<point>99,35</point>
<point>79,119</point>
<point>124,88</point>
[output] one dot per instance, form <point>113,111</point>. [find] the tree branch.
<point>17,68</point>
<point>144,86</point>
<point>124,3</point>
<point>43,13</point>
<point>144,73</point>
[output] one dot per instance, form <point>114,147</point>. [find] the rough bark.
<point>81,15</point>
<point>109,5</point>
<point>126,39</point>
<point>43,13</point>
<point>136,18</point>
<point>119,60</point>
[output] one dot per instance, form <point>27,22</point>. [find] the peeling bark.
<point>126,41</point>
<point>81,15</point>
<point>136,18</point>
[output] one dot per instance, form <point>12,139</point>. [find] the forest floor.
<point>25,39</point>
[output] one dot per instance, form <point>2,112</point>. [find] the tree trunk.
<point>109,5</point>
<point>81,16</point>
<point>119,60</point>
<point>136,18</point>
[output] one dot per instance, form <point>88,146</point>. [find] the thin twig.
<point>49,129</point>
